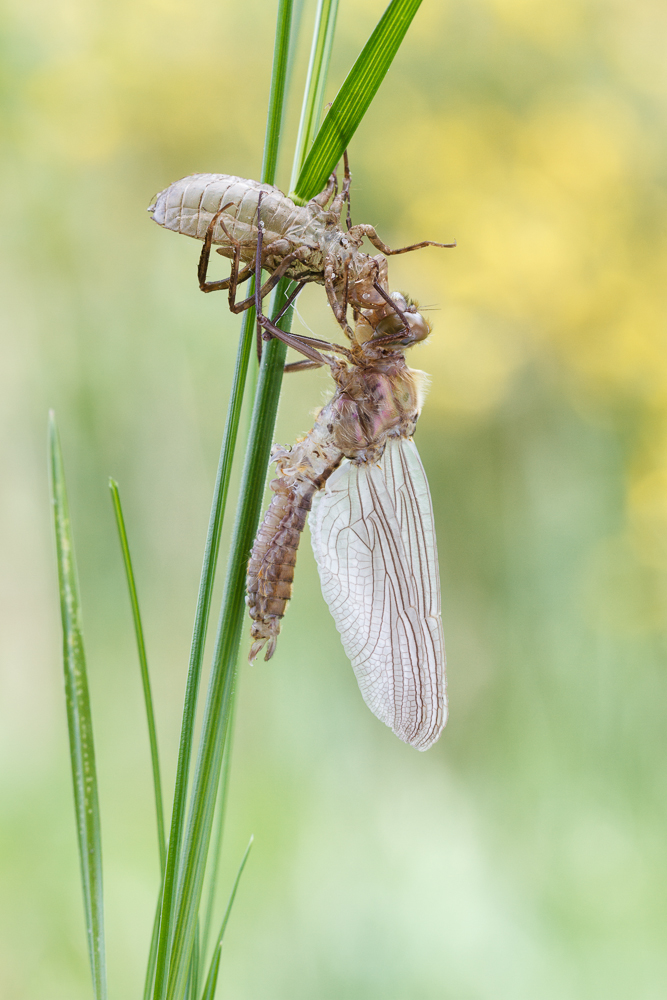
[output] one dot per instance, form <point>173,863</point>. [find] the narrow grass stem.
<point>284,46</point>
<point>212,978</point>
<point>152,952</point>
<point>282,50</point>
<point>221,805</point>
<point>184,881</point>
<point>174,960</point>
<point>174,949</point>
<point>354,98</point>
<point>143,666</point>
<point>79,722</point>
<point>198,642</point>
<point>223,671</point>
<point>318,68</point>
<point>193,975</point>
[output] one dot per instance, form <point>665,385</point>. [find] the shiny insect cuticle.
<point>305,243</point>
<point>356,475</point>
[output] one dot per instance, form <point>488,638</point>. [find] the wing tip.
<point>426,734</point>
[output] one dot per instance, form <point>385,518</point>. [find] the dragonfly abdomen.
<point>273,557</point>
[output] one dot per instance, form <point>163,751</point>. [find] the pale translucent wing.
<point>374,542</point>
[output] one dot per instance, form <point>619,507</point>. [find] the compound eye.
<point>419,327</point>
<point>392,324</point>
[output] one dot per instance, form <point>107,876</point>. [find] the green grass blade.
<point>318,67</point>
<point>223,674</point>
<point>143,665</point>
<point>193,976</point>
<point>214,867</point>
<point>79,721</point>
<point>175,956</point>
<point>215,727</point>
<point>354,97</point>
<point>273,126</point>
<point>212,978</point>
<point>218,507</point>
<point>281,61</point>
<point>152,954</point>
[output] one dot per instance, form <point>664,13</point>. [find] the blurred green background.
<point>524,856</point>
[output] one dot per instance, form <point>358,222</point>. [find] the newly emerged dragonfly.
<point>371,520</point>
<point>305,243</point>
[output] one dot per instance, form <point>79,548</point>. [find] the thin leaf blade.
<point>354,97</point>
<point>160,959</point>
<point>214,968</point>
<point>79,722</point>
<point>214,864</point>
<point>173,874</point>
<point>318,67</point>
<point>143,666</point>
<point>186,864</point>
<point>223,674</point>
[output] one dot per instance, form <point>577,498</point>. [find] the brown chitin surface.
<point>310,236</point>
<point>301,471</point>
<point>370,405</point>
<point>324,252</point>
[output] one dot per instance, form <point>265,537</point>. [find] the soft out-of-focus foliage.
<point>524,856</point>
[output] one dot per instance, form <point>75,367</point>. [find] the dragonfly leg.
<point>290,300</point>
<point>316,342</point>
<point>346,190</point>
<point>329,191</point>
<point>235,277</point>
<point>369,231</point>
<point>293,340</point>
<point>344,197</point>
<point>238,276</point>
<point>339,308</point>
<point>258,341</point>
<point>205,255</point>
<point>394,305</point>
<point>304,345</point>
<point>270,328</point>
<point>346,289</point>
<point>270,283</point>
<point>301,366</point>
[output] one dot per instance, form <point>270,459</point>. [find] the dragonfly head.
<point>391,328</point>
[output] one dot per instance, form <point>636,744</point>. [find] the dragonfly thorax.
<point>369,406</point>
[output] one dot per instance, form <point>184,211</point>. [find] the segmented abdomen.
<point>303,472</point>
<point>188,205</point>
